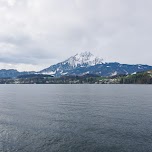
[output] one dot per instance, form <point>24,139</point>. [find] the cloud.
<point>37,33</point>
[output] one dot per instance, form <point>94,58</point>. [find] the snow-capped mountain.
<point>110,69</point>
<point>82,64</point>
<point>87,63</point>
<point>82,60</point>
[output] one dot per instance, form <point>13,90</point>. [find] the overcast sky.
<point>35,34</point>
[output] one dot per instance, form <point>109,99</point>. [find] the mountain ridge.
<point>12,73</point>
<point>87,63</point>
<point>84,59</point>
<point>82,64</point>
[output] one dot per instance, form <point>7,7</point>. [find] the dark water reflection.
<point>75,118</point>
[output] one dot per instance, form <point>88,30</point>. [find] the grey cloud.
<point>45,32</point>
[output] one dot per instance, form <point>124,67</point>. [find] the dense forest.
<point>139,78</point>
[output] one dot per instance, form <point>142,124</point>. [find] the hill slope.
<point>87,63</point>
<point>12,73</point>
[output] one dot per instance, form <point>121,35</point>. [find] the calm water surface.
<point>75,118</point>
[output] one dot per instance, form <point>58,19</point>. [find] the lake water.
<point>75,118</point>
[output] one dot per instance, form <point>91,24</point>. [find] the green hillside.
<point>138,78</point>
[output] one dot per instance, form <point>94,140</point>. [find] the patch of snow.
<point>140,66</point>
<point>126,72</point>
<point>134,73</point>
<point>86,73</point>
<point>115,73</point>
<point>149,72</point>
<point>61,71</point>
<point>64,73</point>
<point>82,59</point>
<point>49,73</point>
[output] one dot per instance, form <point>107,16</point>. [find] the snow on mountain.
<point>83,59</point>
<point>82,64</point>
<point>87,63</point>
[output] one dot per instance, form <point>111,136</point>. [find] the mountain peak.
<point>87,63</point>
<point>84,54</point>
<point>84,59</point>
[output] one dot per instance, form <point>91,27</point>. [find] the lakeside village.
<point>137,78</point>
